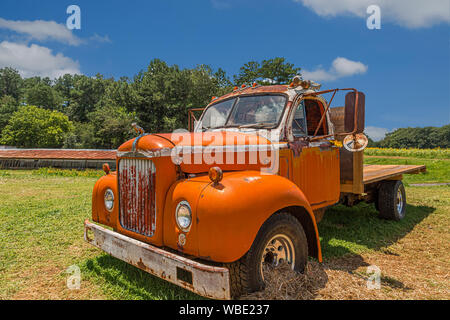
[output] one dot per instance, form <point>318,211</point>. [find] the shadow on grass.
<point>121,280</point>
<point>352,230</point>
<point>346,232</point>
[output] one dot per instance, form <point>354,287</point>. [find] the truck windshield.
<point>262,111</point>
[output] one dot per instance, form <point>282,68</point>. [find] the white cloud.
<point>407,13</point>
<point>100,39</point>
<point>376,133</point>
<point>341,67</point>
<point>42,30</point>
<point>36,60</point>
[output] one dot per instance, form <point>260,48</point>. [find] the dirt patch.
<point>51,284</point>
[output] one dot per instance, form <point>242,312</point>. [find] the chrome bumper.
<point>208,281</point>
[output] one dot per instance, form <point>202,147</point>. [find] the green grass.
<point>41,231</point>
<point>412,152</point>
<point>68,173</point>
<point>358,229</point>
<point>41,228</point>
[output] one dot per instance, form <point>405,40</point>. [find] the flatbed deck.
<point>375,172</point>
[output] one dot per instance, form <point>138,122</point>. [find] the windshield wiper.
<point>257,125</point>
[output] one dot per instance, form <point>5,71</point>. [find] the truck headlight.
<point>109,199</point>
<point>183,216</point>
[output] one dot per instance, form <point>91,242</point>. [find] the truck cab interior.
<point>306,118</point>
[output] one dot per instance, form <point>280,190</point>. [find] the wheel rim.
<point>278,249</point>
<point>399,201</point>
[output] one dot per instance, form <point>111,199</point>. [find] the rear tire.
<point>392,200</point>
<point>281,232</point>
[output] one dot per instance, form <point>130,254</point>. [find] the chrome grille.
<point>137,195</point>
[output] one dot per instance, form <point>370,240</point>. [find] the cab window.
<point>299,126</point>
<point>307,117</point>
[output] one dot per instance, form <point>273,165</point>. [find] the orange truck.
<point>209,209</point>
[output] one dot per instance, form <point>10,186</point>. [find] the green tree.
<point>43,95</point>
<point>270,71</point>
<point>81,137</point>
<point>223,81</point>
<point>162,94</point>
<point>111,126</point>
<point>84,95</point>
<point>422,138</point>
<point>278,71</point>
<point>31,126</point>
<point>248,73</point>
<point>10,83</point>
<point>63,85</point>
<point>8,105</point>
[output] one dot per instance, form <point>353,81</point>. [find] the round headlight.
<point>183,216</point>
<point>109,199</point>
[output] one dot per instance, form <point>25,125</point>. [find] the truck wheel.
<point>280,239</point>
<point>392,200</point>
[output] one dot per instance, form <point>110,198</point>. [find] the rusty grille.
<point>137,195</point>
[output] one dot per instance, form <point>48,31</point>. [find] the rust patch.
<point>297,147</point>
<point>141,264</point>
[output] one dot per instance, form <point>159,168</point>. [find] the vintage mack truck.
<point>208,208</point>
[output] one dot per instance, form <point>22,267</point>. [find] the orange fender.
<point>183,190</point>
<point>230,214</point>
<point>99,212</point>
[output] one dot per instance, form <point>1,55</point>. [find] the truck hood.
<point>197,152</point>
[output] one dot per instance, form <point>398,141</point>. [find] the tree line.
<point>77,111</point>
<point>421,138</point>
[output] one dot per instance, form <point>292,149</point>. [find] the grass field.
<point>41,236</point>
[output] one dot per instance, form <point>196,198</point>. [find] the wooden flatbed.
<point>365,177</point>
<point>376,172</point>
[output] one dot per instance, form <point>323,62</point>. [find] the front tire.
<point>392,200</point>
<point>280,239</point>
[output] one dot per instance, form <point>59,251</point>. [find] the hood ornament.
<point>137,128</point>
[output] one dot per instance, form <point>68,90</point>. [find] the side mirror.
<point>354,109</point>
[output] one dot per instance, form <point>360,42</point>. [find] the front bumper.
<point>208,281</point>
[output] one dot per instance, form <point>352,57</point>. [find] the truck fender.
<point>183,190</point>
<point>231,212</point>
<point>99,212</point>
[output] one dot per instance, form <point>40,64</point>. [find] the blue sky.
<point>403,68</point>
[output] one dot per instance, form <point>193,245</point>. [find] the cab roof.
<point>279,88</point>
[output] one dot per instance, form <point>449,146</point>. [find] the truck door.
<point>315,165</point>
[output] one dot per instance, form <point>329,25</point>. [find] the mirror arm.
<point>325,112</point>
<point>321,120</point>
<point>191,116</point>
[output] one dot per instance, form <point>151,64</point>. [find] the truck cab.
<point>209,209</point>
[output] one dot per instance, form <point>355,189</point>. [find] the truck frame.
<point>174,210</point>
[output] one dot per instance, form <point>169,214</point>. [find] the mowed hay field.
<point>41,236</point>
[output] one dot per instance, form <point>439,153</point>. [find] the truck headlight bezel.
<point>183,216</point>
<point>108,200</point>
